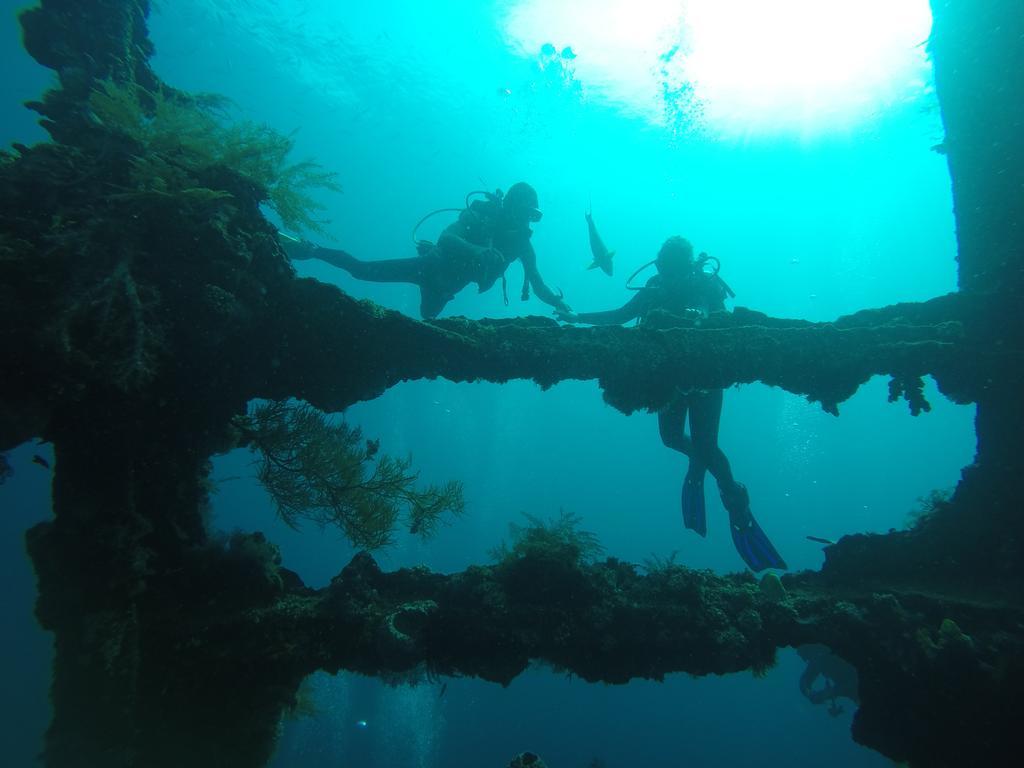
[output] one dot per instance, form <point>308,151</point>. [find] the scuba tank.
<point>494,197</point>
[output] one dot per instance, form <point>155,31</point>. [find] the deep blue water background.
<point>409,105</point>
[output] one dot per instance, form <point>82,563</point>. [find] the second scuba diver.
<point>684,288</point>
<point>488,236</point>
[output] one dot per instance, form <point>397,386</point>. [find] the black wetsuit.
<point>444,269</point>
<point>695,291</point>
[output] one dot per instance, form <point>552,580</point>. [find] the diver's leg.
<point>750,541</point>
<point>383,271</point>
<point>671,423</point>
<point>432,301</point>
<point>705,416</point>
<point>441,277</point>
<point>694,509</point>
<point>425,271</point>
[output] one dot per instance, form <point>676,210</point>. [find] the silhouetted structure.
<point>138,320</point>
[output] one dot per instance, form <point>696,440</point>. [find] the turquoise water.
<point>413,106</point>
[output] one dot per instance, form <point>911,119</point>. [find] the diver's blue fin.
<point>694,513</point>
<point>754,546</point>
<point>750,541</point>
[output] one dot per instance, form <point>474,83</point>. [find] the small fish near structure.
<point>602,256</point>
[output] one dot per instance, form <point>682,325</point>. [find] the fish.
<point>37,459</point>
<point>602,256</point>
<point>820,540</point>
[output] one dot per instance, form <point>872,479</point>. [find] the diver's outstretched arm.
<point>545,294</point>
<point>635,307</point>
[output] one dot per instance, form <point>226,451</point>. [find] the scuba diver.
<point>490,233</point>
<point>685,287</point>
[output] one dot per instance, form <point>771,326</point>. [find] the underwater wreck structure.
<point>145,301</point>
